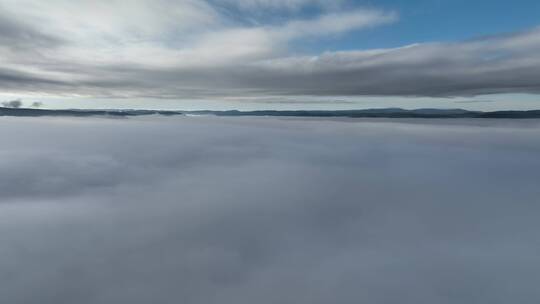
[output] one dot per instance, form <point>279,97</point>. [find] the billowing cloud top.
<point>195,48</point>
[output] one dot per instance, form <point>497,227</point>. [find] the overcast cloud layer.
<point>254,210</point>
<point>216,48</point>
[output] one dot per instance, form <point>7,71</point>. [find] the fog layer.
<point>266,210</point>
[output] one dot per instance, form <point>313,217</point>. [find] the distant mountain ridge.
<point>368,113</point>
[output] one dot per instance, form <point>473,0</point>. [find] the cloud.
<point>241,45</point>
<point>12,104</point>
<point>230,210</point>
<point>116,21</point>
<point>103,46</point>
<point>198,49</point>
<point>336,23</point>
<point>488,66</point>
<point>19,34</point>
<point>499,64</point>
<point>290,5</point>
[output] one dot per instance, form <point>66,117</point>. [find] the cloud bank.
<point>255,210</point>
<point>204,49</point>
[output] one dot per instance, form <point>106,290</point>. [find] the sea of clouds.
<point>267,210</point>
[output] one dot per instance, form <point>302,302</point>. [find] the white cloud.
<point>168,32</point>
<point>256,210</point>
<point>292,5</point>
<point>184,49</point>
<point>336,23</point>
<point>114,21</point>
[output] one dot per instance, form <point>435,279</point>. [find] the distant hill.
<point>369,113</point>
<point>81,113</point>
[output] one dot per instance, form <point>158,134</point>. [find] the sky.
<point>279,54</point>
<point>266,210</point>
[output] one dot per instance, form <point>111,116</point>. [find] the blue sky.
<point>286,54</point>
<point>440,20</point>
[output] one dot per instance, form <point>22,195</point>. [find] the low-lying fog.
<point>266,210</point>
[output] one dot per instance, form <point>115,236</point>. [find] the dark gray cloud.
<point>12,104</point>
<point>23,35</point>
<point>255,210</point>
<point>22,81</point>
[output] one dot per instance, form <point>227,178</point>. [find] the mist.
<point>268,210</point>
